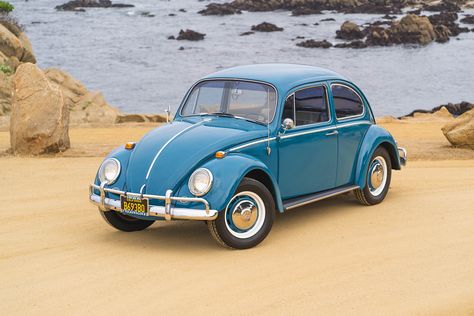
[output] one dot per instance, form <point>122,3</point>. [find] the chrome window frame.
<point>189,92</point>
<point>358,95</point>
<point>328,106</point>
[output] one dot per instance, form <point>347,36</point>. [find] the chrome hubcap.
<point>244,215</point>
<point>377,175</point>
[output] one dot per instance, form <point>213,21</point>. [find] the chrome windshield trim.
<point>188,94</point>
<point>167,143</point>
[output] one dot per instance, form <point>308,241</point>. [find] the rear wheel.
<point>379,174</point>
<point>248,217</point>
<point>124,222</point>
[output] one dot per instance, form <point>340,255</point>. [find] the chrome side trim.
<point>311,131</point>
<point>320,196</point>
<point>167,143</point>
<point>354,123</point>
<point>168,211</point>
<point>264,140</point>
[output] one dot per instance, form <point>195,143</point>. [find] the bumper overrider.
<point>403,155</point>
<point>167,212</point>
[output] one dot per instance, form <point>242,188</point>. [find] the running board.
<point>310,198</point>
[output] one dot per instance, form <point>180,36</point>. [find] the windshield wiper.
<point>222,114</point>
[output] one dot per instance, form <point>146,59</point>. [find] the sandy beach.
<point>411,255</point>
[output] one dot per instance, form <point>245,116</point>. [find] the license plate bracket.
<point>134,205</point>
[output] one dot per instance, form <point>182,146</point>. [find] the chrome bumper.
<point>402,152</point>
<point>167,212</point>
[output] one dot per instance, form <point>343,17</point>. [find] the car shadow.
<point>192,235</point>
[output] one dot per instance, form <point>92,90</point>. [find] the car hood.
<point>166,156</point>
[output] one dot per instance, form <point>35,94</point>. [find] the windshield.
<point>242,99</point>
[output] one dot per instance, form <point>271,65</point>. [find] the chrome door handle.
<point>332,133</point>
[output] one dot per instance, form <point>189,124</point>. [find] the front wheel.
<point>248,217</point>
<point>124,222</point>
<point>377,183</point>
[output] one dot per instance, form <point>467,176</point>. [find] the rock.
<point>445,6</point>
<point>266,27</point>
<point>182,10</point>
<point>442,33</point>
<point>453,109</point>
<point>6,88</point>
<point>40,117</point>
<point>349,31</point>
<point>171,37</point>
<point>141,118</point>
<point>190,35</point>
<point>219,9</point>
<point>247,33</point>
<point>468,19</point>
<point>84,106</point>
<point>305,11</point>
<point>460,132</point>
<point>448,19</point>
<point>327,20</point>
<point>147,14</point>
<point>314,44</point>
<point>353,44</point>
<point>389,17</point>
<point>416,12</point>
<point>79,5</point>
<point>10,45</point>
<point>27,56</point>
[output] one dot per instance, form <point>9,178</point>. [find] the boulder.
<point>190,35</point>
<point>349,31</point>
<point>353,44</point>
<point>413,29</point>
<point>78,5</point>
<point>84,106</point>
<point>314,44</point>
<point>468,19</point>
<point>141,118</point>
<point>460,132</point>
<point>219,9</point>
<point>40,117</point>
<point>10,45</point>
<point>27,56</point>
<point>266,27</point>
<point>5,93</point>
<point>444,6</point>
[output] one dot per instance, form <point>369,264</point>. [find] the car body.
<point>285,134</point>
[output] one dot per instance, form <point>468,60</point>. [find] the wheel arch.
<point>264,178</point>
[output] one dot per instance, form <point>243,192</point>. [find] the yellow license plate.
<point>134,205</point>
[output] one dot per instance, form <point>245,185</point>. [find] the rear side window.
<point>347,103</point>
<point>311,106</point>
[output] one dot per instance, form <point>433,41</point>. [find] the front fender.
<point>123,156</point>
<point>376,136</point>
<point>227,175</point>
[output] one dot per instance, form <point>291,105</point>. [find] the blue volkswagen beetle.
<point>245,143</point>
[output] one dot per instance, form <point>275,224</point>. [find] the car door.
<point>308,151</point>
<point>352,120</point>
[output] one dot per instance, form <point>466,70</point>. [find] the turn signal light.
<point>220,154</point>
<point>130,145</point>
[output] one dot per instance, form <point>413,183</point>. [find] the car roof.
<point>282,76</point>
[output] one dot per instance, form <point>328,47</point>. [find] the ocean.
<point>128,57</point>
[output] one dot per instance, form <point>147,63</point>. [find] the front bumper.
<point>403,155</point>
<point>167,212</point>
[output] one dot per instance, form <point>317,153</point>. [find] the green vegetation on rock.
<point>6,7</point>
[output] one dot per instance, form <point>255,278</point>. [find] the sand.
<point>411,255</point>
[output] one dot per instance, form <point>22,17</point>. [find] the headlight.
<point>200,182</point>
<point>109,170</point>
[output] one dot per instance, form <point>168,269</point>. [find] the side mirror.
<point>288,124</point>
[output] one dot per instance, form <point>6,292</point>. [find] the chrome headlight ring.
<point>109,170</point>
<point>200,182</point>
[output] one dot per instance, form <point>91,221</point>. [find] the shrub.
<point>6,7</point>
<point>6,69</point>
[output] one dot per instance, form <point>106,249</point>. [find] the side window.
<point>346,102</point>
<point>288,109</point>
<point>311,106</point>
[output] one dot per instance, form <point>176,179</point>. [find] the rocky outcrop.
<point>84,106</point>
<point>468,19</point>
<point>349,31</point>
<point>266,27</point>
<point>190,35</point>
<point>314,44</point>
<point>15,48</point>
<point>454,109</point>
<point>460,132</point>
<point>220,9</point>
<point>40,116</point>
<point>353,44</point>
<point>140,118</point>
<point>79,5</point>
<point>444,6</point>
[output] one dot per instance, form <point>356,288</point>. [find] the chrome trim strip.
<point>251,144</point>
<point>167,143</point>
<point>188,93</point>
<point>168,211</point>
<point>311,131</point>
<point>354,123</point>
<point>322,197</point>
<point>360,98</point>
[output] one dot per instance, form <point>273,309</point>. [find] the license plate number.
<point>134,205</point>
